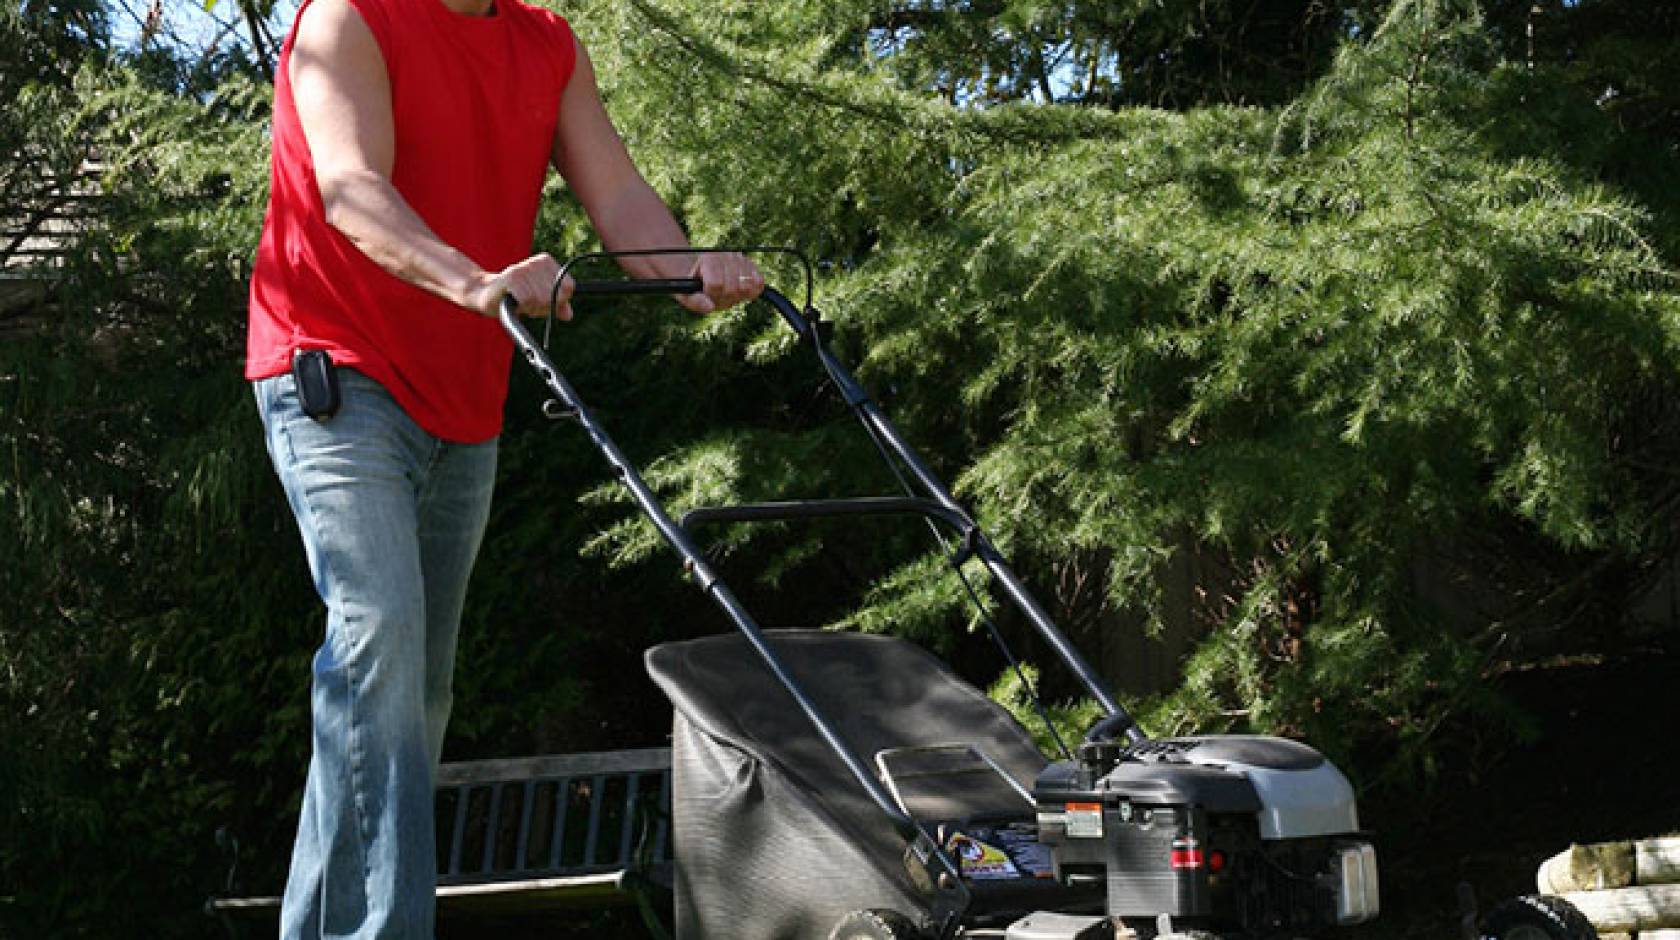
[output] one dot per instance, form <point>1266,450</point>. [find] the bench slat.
<point>459,830</point>
<point>642,760</point>
<point>520,857</point>
<point>523,895</point>
<point>626,831</point>
<point>662,830</point>
<point>492,828</point>
<point>562,799</point>
<point>597,795</point>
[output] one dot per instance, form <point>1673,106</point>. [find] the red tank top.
<point>475,101</point>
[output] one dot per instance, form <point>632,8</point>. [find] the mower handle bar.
<point>826,508</point>
<point>668,285</point>
<point>867,411</point>
<point>938,503</point>
<point>628,286</point>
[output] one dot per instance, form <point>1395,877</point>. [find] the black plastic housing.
<point>1146,812</point>
<point>1149,830</point>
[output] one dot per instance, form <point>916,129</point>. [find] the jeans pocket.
<point>277,404</point>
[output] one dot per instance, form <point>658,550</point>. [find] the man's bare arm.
<point>626,211</point>
<point>343,99</point>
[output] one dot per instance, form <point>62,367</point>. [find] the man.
<point>411,141</point>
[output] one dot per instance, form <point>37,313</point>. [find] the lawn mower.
<point>851,786</point>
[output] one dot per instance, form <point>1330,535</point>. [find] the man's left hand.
<point>728,279</point>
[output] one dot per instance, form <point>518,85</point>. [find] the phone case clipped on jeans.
<point>317,383</point>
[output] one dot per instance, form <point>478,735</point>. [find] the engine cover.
<point>1241,829</point>
<point>1301,794</point>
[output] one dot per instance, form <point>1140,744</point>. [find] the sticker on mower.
<point>980,860</point>
<point>1020,842</point>
<point>1084,820</point>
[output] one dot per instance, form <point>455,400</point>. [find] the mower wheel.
<point>1537,917</point>
<point>875,925</point>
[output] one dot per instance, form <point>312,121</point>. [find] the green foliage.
<point>60,34</point>
<point>141,603</point>
<point>1069,720</point>
<point>1325,343</point>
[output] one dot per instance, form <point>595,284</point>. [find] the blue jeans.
<point>391,519</point>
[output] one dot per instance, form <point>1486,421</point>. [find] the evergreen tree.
<point>1386,327</point>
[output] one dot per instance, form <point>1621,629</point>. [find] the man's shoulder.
<point>550,31</point>
<point>332,22</point>
<point>539,13</point>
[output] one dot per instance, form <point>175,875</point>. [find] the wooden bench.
<point>535,834</point>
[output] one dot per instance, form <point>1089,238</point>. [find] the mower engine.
<point>1248,834</point>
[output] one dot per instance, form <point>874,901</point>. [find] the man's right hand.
<point>531,282</point>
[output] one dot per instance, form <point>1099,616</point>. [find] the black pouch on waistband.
<point>317,383</point>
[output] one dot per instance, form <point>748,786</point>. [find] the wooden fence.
<point>41,221</point>
<point>40,225</point>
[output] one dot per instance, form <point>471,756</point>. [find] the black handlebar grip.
<point>658,285</point>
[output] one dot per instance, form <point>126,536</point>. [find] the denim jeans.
<point>391,520</point>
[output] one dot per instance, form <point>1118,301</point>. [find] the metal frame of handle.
<point>943,875</point>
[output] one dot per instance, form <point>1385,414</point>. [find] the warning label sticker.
<point>1084,820</point>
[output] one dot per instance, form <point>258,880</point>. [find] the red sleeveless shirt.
<point>475,102</point>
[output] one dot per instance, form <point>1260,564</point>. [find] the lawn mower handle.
<point>942,872</point>
<point>630,287</point>
<point>693,560</point>
<point>804,324</point>
<point>652,285</point>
